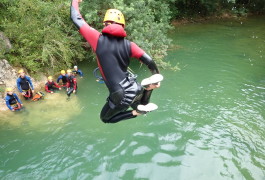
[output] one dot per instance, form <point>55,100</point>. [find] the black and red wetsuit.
<point>71,84</point>
<point>51,86</point>
<point>113,57</point>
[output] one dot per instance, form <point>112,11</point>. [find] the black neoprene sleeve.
<point>147,60</point>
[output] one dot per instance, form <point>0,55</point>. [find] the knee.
<point>104,118</point>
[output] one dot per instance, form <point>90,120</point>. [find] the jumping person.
<point>78,71</point>
<point>12,100</point>
<point>51,86</point>
<point>113,57</point>
<point>62,77</point>
<point>24,85</point>
<point>71,84</point>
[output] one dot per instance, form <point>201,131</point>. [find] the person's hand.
<point>67,89</point>
<point>21,105</point>
<point>51,92</point>
<point>13,110</point>
<point>23,93</point>
<point>153,86</point>
<point>32,91</point>
<point>79,1</point>
<point>74,91</point>
<point>60,88</point>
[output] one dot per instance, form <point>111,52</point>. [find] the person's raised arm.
<point>90,34</point>
<point>138,53</point>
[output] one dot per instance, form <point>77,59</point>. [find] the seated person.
<point>12,100</point>
<point>77,71</point>
<point>24,85</point>
<point>62,77</point>
<point>51,86</point>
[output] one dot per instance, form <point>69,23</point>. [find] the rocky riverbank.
<point>8,78</point>
<point>8,73</point>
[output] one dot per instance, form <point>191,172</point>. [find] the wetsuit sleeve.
<point>137,52</point>
<point>47,88</point>
<point>80,72</point>
<point>56,85</point>
<point>75,83</point>
<point>18,100</point>
<point>8,104</point>
<point>30,82</point>
<point>89,33</point>
<point>18,85</point>
<point>59,78</point>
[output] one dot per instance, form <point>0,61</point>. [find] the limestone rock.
<point>5,44</point>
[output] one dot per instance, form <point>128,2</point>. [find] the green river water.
<point>209,125</point>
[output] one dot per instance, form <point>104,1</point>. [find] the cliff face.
<point>7,72</point>
<point>5,44</point>
<point>8,78</point>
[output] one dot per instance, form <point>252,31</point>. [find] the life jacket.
<point>113,52</point>
<point>38,96</point>
<point>24,83</point>
<point>12,99</point>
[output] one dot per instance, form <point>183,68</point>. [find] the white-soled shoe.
<point>143,109</point>
<point>156,78</point>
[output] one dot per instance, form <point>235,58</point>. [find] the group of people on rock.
<point>26,88</point>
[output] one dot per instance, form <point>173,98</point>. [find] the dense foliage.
<point>191,8</point>
<point>44,38</point>
<point>41,34</point>
<point>147,22</point>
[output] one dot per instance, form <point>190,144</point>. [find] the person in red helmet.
<point>113,53</point>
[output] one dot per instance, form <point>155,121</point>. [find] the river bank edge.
<point>206,19</point>
<point>38,84</point>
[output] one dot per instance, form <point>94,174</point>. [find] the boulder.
<point>5,44</point>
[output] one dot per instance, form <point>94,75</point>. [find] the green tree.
<point>147,22</point>
<point>42,35</point>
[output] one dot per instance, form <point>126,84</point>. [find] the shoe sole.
<point>156,78</point>
<point>147,108</point>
